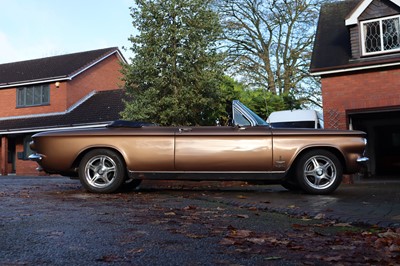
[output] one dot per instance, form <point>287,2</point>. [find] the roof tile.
<point>55,67</point>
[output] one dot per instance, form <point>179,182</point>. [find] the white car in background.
<point>295,119</point>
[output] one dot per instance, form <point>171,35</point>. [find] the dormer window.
<point>380,35</point>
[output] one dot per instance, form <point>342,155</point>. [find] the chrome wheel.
<point>319,172</point>
<point>100,171</point>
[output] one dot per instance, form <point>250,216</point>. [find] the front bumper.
<point>36,157</point>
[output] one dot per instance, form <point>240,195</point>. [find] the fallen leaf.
<point>255,240</point>
<point>273,258</point>
<point>319,216</point>
<point>389,234</point>
<point>342,225</point>
<point>242,250</point>
<point>195,236</point>
<point>245,216</point>
<point>331,259</point>
<point>342,247</point>
<point>169,213</point>
<point>57,233</point>
<point>135,250</point>
<point>298,226</point>
<point>190,208</point>
<point>227,241</point>
<point>240,233</point>
<point>394,248</point>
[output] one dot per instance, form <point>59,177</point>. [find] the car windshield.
<point>244,116</point>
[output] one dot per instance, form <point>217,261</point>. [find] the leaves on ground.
<point>317,242</point>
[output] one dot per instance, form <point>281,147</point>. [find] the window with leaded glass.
<point>381,35</point>
<point>33,95</point>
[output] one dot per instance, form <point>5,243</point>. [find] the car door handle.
<point>185,130</point>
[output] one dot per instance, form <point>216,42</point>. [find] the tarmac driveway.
<point>52,221</point>
<point>374,202</point>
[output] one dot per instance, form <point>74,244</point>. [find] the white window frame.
<point>363,34</point>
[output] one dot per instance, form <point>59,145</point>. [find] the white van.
<point>295,119</point>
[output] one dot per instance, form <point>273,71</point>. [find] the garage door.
<point>383,129</point>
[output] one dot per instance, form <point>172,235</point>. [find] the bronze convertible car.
<point>124,153</point>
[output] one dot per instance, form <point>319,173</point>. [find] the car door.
<point>223,149</point>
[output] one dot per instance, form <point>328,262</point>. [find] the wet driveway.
<point>52,221</point>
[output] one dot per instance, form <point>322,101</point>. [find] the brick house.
<point>67,91</point>
<point>357,55</point>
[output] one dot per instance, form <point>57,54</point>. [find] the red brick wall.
<point>24,167</point>
<point>103,76</point>
<point>8,102</point>
<point>353,91</point>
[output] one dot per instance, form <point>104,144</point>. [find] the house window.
<point>33,95</point>
<point>381,35</point>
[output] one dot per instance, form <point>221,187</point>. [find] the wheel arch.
<point>335,151</point>
<point>78,159</point>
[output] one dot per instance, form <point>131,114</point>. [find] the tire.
<point>319,172</point>
<point>102,171</point>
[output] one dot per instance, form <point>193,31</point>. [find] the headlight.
<point>32,145</point>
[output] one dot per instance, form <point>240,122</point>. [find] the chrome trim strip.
<point>210,172</point>
<point>36,157</point>
<point>362,159</point>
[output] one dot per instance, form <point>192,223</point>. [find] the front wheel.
<point>102,171</point>
<point>319,172</point>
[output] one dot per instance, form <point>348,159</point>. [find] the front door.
<point>223,149</point>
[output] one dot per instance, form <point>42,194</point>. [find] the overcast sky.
<point>32,29</point>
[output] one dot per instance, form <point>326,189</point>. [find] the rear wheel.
<point>319,172</point>
<point>102,171</point>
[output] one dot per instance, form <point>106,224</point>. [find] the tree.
<point>259,100</point>
<point>174,76</point>
<point>269,44</point>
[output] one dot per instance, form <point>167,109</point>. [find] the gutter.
<point>352,69</point>
<point>55,128</point>
<point>34,81</point>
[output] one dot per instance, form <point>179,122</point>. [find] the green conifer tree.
<point>175,74</point>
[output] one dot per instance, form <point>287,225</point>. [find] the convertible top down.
<point>124,153</point>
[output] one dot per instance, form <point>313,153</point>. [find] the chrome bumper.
<point>36,157</point>
<point>362,159</point>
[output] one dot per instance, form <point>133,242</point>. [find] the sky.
<point>31,29</point>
